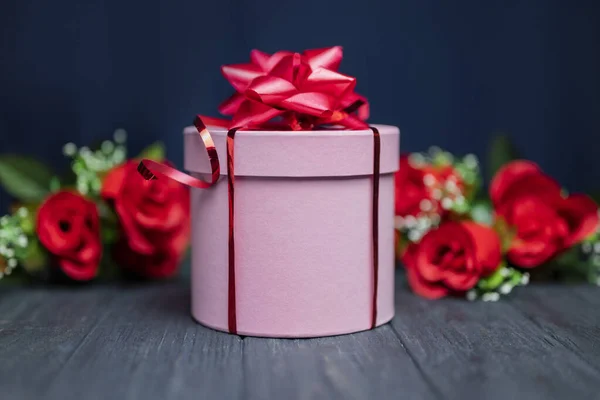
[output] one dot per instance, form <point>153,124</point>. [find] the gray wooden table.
<point>138,341</point>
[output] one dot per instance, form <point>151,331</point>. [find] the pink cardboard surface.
<point>302,232</point>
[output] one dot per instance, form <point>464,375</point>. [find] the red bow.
<point>302,90</point>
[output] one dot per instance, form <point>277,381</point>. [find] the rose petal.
<point>423,287</point>
<point>113,182</point>
<point>580,213</point>
<point>488,249</point>
<point>521,177</point>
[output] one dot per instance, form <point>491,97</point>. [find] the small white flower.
<point>447,203</point>
<point>451,186</point>
<point>22,241</point>
<point>82,186</point>
<point>425,205</point>
<point>120,136</point>
<point>525,279</point>
<point>416,160</point>
<point>459,200</point>
<point>598,281</point>
<point>490,296</point>
<point>423,223</point>
<point>436,194</point>
<point>69,149</point>
<point>118,155</point>
<point>4,220</point>
<point>506,288</point>
<point>9,253</point>
<point>435,219</point>
<point>3,250</point>
<point>429,180</point>
<point>471,295</point>
<point>471,161</point>
<point>22,212</point>
<point>504,272</point>
<point>434,150</point>
<point>410,221</point>
<point>85,151</point>
<point>107,146</point>
<point>414,235</point>
<point>597,247</point>
<point>12,263</point>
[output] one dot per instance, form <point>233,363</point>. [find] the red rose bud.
<point>452,259</point>
<point>68,227</point>
<point>154,217</point>
<point>546,222</point>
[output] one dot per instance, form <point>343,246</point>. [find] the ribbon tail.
<point>150,169</point>
<point>375,224</point>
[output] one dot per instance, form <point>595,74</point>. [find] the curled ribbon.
<point>302,90</point>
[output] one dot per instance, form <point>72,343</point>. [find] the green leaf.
<point>501,152</point>
<point>156,152</point>
<point>36,259</point>
<point>24,178</point>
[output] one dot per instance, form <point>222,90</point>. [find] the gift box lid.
<point>296,153</point>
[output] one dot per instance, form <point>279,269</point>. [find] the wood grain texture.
<point>489,350</point>
<point>138,341</point>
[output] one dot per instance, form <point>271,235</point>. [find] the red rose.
<point>545,221</point>
<point>69,228</point>
<point>410,188</point>
<point>452,258</point>
<point>154,217</point>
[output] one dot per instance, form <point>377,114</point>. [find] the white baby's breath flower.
<point>436,194</point>
<point>506,288</point>
<point>415,235</point>
<point>22,212</point>
<point>69,149</point>
<point>447,203</point>
<point>416,160</point>
<point>471,161</point>
<point>12,263</point>
<point>120,136</point>
<point>429,180</point>
<point>471,295</point>
<point>525,279</point>
<point>410,221</point>
<point>22,241</point>
<point>425,205</point>
<point>107,147</point>
<point>493,296</point>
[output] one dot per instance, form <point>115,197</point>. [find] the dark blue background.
<point>449,73</point>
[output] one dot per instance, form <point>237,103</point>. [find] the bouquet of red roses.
<point>100,215</point>
<point>454,240</point>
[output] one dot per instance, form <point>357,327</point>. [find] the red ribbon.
<point>302,90</point>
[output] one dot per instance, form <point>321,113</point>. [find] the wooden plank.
<point>39,330</point>
<point>143,345</point>
<point>568,314</point>
<point>366,365</point>
<point>488,350</point>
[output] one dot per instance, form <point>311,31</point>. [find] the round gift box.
<point>303,231</point>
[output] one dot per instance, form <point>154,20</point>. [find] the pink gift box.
<point>303,232</point>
